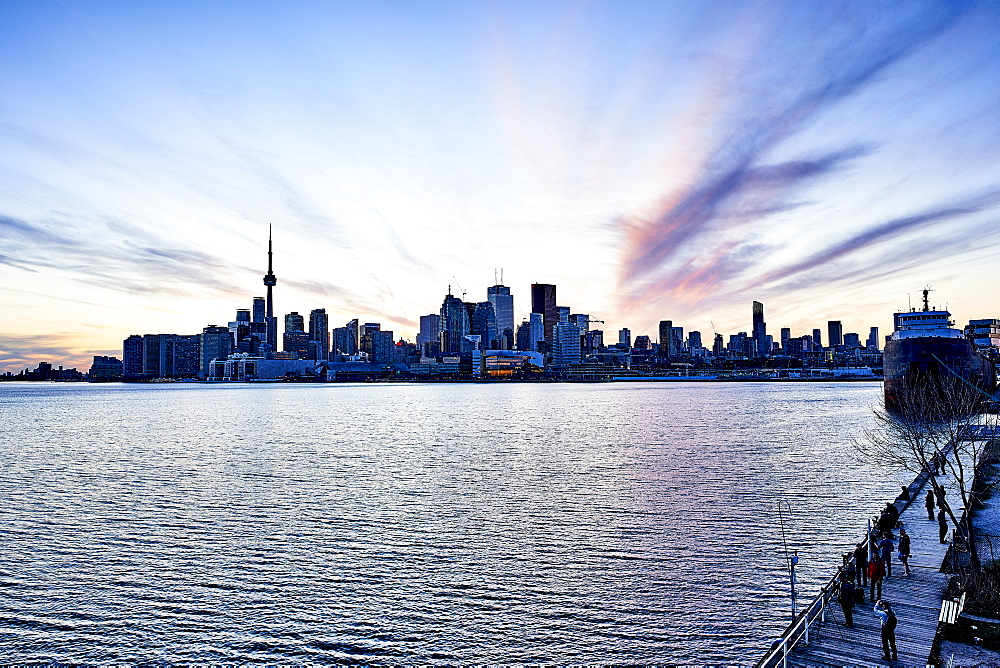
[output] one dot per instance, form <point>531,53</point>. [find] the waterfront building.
<point>241,367</point>
<point>132,354</point>
<point>319,334</point>
<point>484,324</point>
<point>454,324</point>
<point>543,301</point>
<point>566,345</point>
<point>216,344</point>
<point>624,338</point>
<point>503,307</point>
<point>382,346</point>
<point>105,368</point>
<point>430,325</point>
<point>835,333</point>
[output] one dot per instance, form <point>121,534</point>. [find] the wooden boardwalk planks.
<point>916,600</point>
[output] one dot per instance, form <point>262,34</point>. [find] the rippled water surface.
<point>509,523</point>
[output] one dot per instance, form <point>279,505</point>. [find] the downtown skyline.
<point>659,161</point>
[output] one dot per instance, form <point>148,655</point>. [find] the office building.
<point>382,346</point>
<point>852,340</point>
<point>536,322</point>
<point>503,307</point>
<point>624,338</point>
<point>835,333</point>
<point>484,325</point>
<point>319,334</point>
<point>368,337</point>
<point>759,330</point>
<point>430,325</point>
<point>454,324</point>
<point>543,301</point>
<point>566,345</point>
<point>132,352</point>
<point>872,343</point>
<point>216,344</point>
<point>667,348</point>
<point>817,339</point>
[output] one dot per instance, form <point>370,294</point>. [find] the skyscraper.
<point>319,334</point>
<point>430,325</point>
<point>296,339</point>
<point>760,330</point>
<point>817,339</point>
<point>536,324</point>
<point>667,348</point>
<point>368,330</point>
<point>835,332</point>
<point>543,301</point>
<point>503,306</point>
<point>484,324</point>
<point>873,339</point>
<point>625,337</point>
<point>270,280</point>
<point>566,345</point>
<point>454,324</point>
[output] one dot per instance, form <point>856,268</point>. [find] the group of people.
<point>872,566</point>
<point>942,518</point>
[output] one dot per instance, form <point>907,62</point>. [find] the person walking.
<point>904,551</point>
<point>929,504</point>
<point>887,619</point>
<point>876,571</point>
<point>885,552</point>
<point>942,526</point>
<point>845,595</point>
<point>861,564</point>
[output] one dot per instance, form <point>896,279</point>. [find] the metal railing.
<point>798,630</point>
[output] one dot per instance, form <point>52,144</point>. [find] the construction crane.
<point>459,286</point>
<point>595,320</point>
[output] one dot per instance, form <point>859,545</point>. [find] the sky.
<point>661,160</point>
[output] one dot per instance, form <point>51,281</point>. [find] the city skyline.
<point>664,162</point>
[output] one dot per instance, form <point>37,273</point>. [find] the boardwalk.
<point>916,600</point>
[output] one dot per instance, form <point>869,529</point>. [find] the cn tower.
<point>270,280</point>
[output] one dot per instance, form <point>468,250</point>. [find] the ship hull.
<point>931,361</point>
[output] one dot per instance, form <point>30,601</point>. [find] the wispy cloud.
<point>702,241</point>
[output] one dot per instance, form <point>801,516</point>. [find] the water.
<point>409,523</point>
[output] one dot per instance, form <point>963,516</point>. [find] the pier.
<point>818,636</point>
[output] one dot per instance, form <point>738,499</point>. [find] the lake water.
<point>421,523</point>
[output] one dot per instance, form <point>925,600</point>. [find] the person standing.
<point>885,552</point>
<point>861,564</point>
<point>942,526</point>
<point>904,551</point>
<point>929,504</point>
<point>887,619</point>
<point>876,571</point>
<point>845,595</point>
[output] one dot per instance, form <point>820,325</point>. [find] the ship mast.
<point>926,291</point>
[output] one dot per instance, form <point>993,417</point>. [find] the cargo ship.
<point>926,351</point>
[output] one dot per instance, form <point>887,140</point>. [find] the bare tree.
<point>938,428</point>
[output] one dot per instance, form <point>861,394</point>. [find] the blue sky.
<point>664,160</point>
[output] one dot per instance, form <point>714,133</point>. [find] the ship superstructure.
<point>926,349</point>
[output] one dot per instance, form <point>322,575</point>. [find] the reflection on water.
<point>555,523</point>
